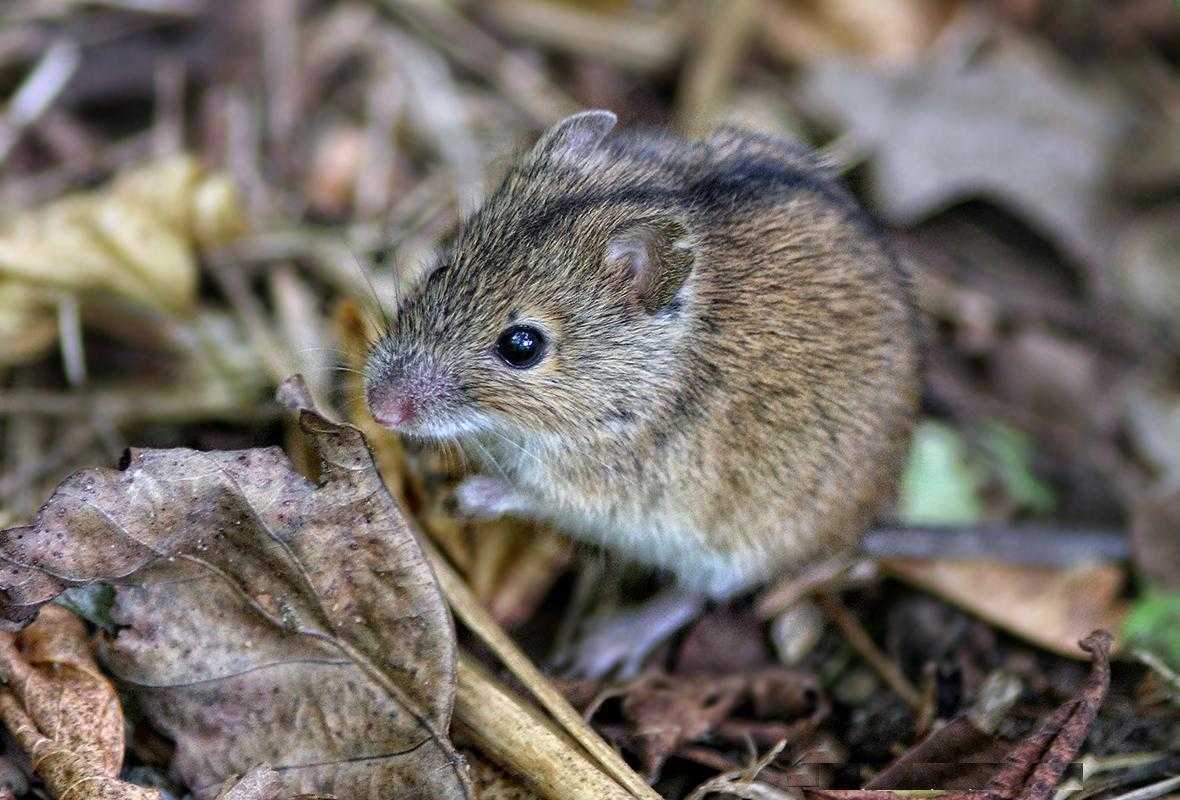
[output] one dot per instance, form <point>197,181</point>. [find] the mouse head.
<point>560,314</point>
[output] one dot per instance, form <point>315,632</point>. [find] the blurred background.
<point>198,197</point>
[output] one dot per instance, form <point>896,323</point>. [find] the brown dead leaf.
<point>1000,118</point>
<point>136,238</point>
<point>265,619</point>
<point>665,712</point>
<point>1052,608</point>
<point>260,783</point>
<point>62,710</point>
<point>1032,767</point>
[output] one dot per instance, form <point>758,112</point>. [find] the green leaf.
<point>1011,455</point>
<point>940,485</point>
<point>1154,624</point>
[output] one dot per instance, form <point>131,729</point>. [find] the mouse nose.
<point>391,405</point>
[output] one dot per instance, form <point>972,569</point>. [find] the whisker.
<point>491,460</point>
<point>364,273</point>
<point>505,439</point>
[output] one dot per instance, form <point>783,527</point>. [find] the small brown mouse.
<point>699,354</point>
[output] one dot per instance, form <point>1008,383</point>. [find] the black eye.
<point>521,346</point>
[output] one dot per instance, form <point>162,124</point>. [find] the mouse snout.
<point>404,395</point>
<point>393,405</point>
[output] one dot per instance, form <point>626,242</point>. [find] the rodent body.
<point>729,361</point>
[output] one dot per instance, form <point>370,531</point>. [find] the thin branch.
<point>864,645</point>
<point>38,92</point>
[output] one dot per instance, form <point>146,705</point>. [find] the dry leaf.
<point>136,238</point>
<point>1000,119</point>
<point>260,783</point>
<point>265,619</point>
<point>62,710</point>
<point>1033,767</point>
<point>1052,608</point>
<point>664,713</point>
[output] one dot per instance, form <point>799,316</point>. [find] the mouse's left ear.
<point>655,256</point>
<point>575,136</point>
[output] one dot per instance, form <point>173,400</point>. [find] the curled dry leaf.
<point>136,238</point>
<point>1032,767</point>
<point>1050,607</point>
<point>62,710</point>
<point>265,619</point>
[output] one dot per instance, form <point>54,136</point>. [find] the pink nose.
<point>390,407</point>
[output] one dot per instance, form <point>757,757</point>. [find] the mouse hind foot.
<point>619,643</point>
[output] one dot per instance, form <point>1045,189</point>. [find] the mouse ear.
<point>575,136</point>
<point>656,256</point>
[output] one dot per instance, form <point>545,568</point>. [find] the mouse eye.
<point>521,346</point>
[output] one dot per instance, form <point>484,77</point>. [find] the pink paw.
<point>481,497</point>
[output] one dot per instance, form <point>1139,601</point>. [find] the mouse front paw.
<point>481,497</point>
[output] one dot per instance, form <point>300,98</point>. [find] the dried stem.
<point>860,640</point>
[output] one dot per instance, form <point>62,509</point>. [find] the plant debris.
<point>262,618</point>
<point>63,710</point>
<point>199,198</point>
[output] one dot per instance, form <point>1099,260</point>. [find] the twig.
<point>254,319</point>
<point>1165,672</point>
<point>69,328</point>
<point>785,594</point>
<point>436,109</point>
<point>76,439</point>
<point>179,405</point>
<point>634,41</point>
<point>726,29</point>
<point>742,783</point>
<point>168,122</point>
<point>37,93</point>
<point>1039,545</point>
<point>468,609</point>
<point>860,640</point>
<point>280,61</point>
<point>1153,791</point>
<point>517,736</point>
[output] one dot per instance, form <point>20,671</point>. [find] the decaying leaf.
<point>62,710</point>
<point>260,783</point>
<point>136,238</point>
<point>1033,767</point>
<point>1050,607</point>
<point>267,619</point>
<point>664,713</point>
<point>1002,119</point>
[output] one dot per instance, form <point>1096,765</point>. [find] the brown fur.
<point>734,413</point>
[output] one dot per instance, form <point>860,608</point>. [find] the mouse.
<point>701,355</point>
